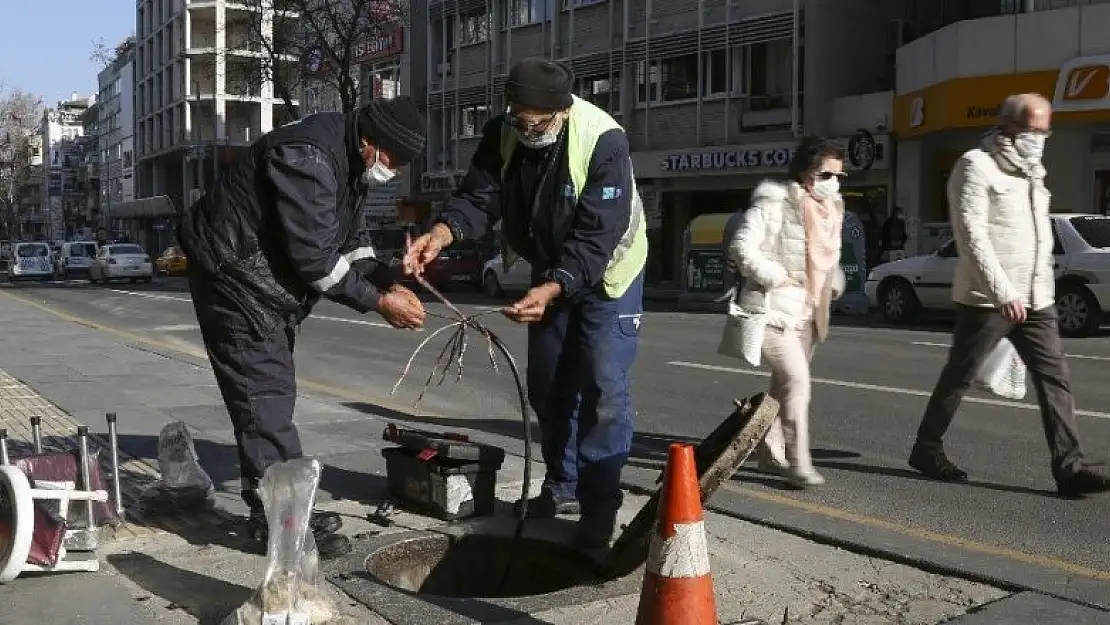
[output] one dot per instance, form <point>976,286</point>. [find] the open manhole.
<point>475,566</point>
<point>458,577</point>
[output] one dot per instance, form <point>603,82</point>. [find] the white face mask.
<point>1030,145</point>
<point>377,173</point>
<point>826,189</point>
<point>537,142</point>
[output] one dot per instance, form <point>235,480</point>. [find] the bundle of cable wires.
<point>453,353</point>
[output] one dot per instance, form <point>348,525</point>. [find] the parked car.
<point>496,281</point>
<point>904,289</point>
<point>121,261</point>
<point>31,261</point>
<point>74,258</point>
<point>459,264</point>
<point>172,262</point>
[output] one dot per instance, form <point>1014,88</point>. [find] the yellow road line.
<point>813,508</point>
<point>923,534</point>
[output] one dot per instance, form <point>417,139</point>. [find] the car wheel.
<point>898,301</point>
<point>491,286</point>
<point>1078,311</point>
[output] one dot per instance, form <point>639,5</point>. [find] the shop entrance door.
<point>1102,191</point>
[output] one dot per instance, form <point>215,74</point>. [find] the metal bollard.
<point>117,490</point>
<point>86,475</point>
<point>4,460</point>
<point>36,433</point>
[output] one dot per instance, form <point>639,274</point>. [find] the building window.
<point>384,81</point>
<point>472,120</point>
<point>768,74</point>
<point>524,12</point>
<point>474,29</point>
<point>600,90</point>
<point>676,79</point>
<point>580,3</point>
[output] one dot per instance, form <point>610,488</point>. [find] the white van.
<point>31,261</point>
<point>75,258</point>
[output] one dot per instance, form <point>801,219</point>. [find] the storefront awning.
<point>156,206</point>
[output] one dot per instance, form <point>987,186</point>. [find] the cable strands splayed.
<point>453,353</point>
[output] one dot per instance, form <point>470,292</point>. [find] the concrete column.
<point>908,181</point>
<point>266,115</point>
<point>221,70</point>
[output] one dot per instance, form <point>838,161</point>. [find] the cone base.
<point>681,601</point>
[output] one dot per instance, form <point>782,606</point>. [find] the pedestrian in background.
<point>1005,288</point>
<point>557,172</point>
<point>276,232</point>
<point>788,252</point>
<point>895,236</point>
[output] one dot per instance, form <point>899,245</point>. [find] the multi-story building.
<point>952,78</point>
<point>199,92</point>
<point>116,128</point>
<point>62,197</point>
<point>712,93</point>
<point>90,173</point>
<point>29,197</point>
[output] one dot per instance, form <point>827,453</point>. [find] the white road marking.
<point>181,327</point>
<point>1076,356</point>
<point>882,389</point>
<point>360,322</point>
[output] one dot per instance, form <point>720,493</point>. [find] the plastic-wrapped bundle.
<point>291,592</point>
<point>185,486</point>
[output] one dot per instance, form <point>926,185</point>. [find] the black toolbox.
<point>440,474</point>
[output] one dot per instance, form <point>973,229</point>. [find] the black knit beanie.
<point>395,126</point>
<point>538,82</point>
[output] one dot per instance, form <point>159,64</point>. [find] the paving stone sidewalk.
<point>195,571</point>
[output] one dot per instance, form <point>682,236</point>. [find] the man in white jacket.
<point>1004,288</point>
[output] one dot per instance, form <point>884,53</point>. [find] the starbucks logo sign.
<point>862,150</point>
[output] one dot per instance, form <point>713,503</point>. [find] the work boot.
<point>547,505</point>
<point>328,543</point>
<point>595,532</point>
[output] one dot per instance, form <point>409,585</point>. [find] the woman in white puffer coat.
<point>788,251</point>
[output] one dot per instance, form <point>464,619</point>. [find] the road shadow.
<point>207,599</point>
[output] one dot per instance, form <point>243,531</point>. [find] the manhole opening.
<point>473,565</point>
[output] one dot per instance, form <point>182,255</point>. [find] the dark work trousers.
<point>256,377</point>
<point>977,333</point>
<point>580,359</point>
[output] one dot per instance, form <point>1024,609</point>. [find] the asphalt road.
<point>870,387</point>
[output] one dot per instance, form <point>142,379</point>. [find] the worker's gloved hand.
<point>425,249</point>
<point>402,308</point>
<point>531,307</point>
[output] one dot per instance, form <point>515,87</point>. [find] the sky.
<point>45,44</point>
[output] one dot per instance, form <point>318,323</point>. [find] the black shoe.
<point>546,505</point>
<point>1085,481</point>
<point>936,466</point>
<point>595,533</point>
<point>323,525</point>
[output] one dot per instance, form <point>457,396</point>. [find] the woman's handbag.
<point>743,334</point>
<point>1003,372</point>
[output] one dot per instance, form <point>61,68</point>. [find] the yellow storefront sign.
<point>1080,91</point>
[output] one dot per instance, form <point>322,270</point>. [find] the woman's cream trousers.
<point>787,354</point>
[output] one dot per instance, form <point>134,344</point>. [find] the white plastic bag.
<point>744,331</point>
<point>291,592</point>
<point>1003,372</point>
<point>184,486</point>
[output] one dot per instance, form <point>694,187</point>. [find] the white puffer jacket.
<point>1003,234</point>
<point>770,249</point>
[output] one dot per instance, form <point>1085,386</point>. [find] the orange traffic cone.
<point>678,589</point>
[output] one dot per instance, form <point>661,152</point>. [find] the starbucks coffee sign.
<point>764,157</point>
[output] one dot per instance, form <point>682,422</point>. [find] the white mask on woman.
<point>377,174</point>
<point>826,189</point>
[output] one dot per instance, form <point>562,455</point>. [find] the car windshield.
<point>83,249</point>
<point>1095,229</point>
<point>126,249</point>
<point>31,251</point>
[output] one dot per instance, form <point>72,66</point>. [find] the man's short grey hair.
<point>1015,108</point>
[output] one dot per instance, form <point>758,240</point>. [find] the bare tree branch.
<point>102,54</point>
<point>20,120</point>
<point>317,41</point>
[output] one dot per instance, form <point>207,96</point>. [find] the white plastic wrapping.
<point>1003,372</point>
<point>184,486</point>
<point>291,592</point>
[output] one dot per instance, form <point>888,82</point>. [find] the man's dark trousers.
<point>977,333</point>
<point>256,377</point>
<point>580,360</point>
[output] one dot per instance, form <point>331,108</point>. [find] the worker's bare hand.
<point>1014,311</point>
<point>426,248</point>
<point>402,308</point>
<point>531,307</point>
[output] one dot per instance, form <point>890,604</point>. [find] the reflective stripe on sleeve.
<point>335,276</point>
<point>361,253</point>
